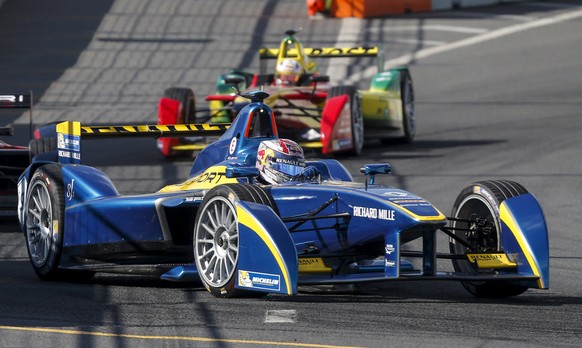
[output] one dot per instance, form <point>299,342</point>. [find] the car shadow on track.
<point>417,292</point>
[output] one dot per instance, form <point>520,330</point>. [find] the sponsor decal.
<point>266,281</point>
<point>71,190</point>
<point>209,177</point>
<point>312,264</point>
<point>69,154</point>
<point>11,99</point>
<point>288,161</point>
<point>479,190</point>
<point>340,51</point>
<point>389,263</point>
<point>389,249</point>
<point>69,142</point>
<point>396,194</point>
<point>232,146</point>
<point>411,202</point>
<point>69,146</point>
<point>373,213</point>
<point>491,260</point>
<point>194,199</point>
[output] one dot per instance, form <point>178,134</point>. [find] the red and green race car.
<point>308,108</point>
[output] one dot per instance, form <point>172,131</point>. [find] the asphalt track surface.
<point>498,94</point>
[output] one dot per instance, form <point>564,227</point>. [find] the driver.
<point>282,160</point>
<point>288,72</point>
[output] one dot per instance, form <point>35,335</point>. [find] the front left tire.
<point>216,237</point>
<point>44,225</point>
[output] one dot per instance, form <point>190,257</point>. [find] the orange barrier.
<point>315,6</point>
<point>377,8</point>
<point>380,8</point>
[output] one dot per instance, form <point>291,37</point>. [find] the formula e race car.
<point>13,159</point>
<point>239,237</point>
<point>308,110</point>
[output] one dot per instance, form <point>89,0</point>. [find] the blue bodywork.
<point>352,232</point>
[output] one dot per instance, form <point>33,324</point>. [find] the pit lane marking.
<point>280,316</point>
<point>168,338</point>
<point>430,27</point>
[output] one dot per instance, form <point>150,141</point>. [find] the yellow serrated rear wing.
<point>325,52</point>
<point>70,133</point>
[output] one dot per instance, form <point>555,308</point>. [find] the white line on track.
<point>280,316</point>
<point>416,42</point>
<point>431,27</point>
<point>470,14</point>
<point>474,40</point>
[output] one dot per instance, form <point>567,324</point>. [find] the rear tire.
<point>357,117</point>
<point>41,146</point>
<point>187,115</point>
<point>44,225</point>
<point>186,98</point>
<point>216,237</point>
<point>408,111</point>
<point>481,200</point>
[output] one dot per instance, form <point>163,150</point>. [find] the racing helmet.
<point>289,71</point>
<point>279,160</point>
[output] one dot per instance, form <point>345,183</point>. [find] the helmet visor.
<point>289,169</point>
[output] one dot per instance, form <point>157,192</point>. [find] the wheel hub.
<point>222,242</point>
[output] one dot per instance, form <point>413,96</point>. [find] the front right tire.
<point>477,212</point>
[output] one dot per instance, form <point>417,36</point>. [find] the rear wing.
<point>70,134</point>
<point>15,101</point>
<point>325,52</point>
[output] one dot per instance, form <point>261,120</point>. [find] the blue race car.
<point>239,236</point>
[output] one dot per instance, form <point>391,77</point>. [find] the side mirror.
<point>373,169</point>
<point>233,79</point>
<point>320,78</point>
<point>242,172</point>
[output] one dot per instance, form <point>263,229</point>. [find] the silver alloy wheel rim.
<point>39,226</point>
<point>216,242</point>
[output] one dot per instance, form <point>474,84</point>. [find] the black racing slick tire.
<point>44,225</point>
<point>408,110</point>
<point>44,218</point>
<point>476,221</point>
<point>43,146</point>
<point>216,236</point>
<point>186,98</point>
<point>357,117</point>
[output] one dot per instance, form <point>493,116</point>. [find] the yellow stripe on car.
<point>210,178</point>
<point>247,219</point>
<point>508,218</point>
